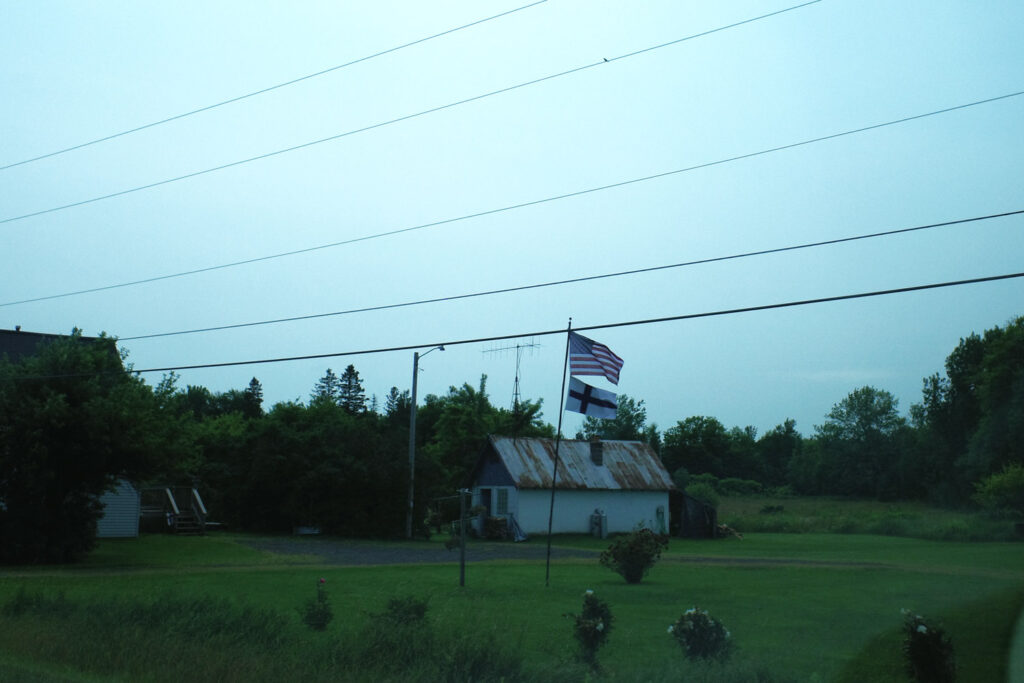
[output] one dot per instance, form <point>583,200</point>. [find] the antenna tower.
<point>518,347</point>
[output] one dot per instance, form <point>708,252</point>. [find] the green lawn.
<point>801,606</point>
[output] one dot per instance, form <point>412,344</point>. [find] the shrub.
<point>398,637</point>
<point>496,528</point>
<point>705,478</point>
<point>317,612</point>
<point>731,486</point>
<point>928,650</point>
<point>591,626</point>
<point>633,554</point>
<point>704,492</point>
<point>701,636</point>
<point>1002,492</point>
<point>405,610</point>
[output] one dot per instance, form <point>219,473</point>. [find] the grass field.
<point>801,607</point>
<point>847,516</point>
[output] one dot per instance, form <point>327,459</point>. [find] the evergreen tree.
<point>351,396</point>
<point>397,405</point>
<point>254,399</point>
<point>327,390</point>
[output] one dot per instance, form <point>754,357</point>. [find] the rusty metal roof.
<point>627,465</point>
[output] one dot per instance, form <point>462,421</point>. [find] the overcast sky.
<point>73,72</point>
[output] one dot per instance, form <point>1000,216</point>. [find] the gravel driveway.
<point>338,551</point>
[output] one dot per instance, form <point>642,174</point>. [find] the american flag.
<point>588,357</point>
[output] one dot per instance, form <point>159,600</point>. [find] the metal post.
<point>412,443</point>
<point>462,536</point>
<point>554,465</point>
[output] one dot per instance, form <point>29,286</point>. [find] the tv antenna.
<point>518,347</point>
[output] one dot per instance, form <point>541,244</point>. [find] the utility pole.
<point>412,437</point>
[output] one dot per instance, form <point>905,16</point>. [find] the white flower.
<point>692,610</point>
<point>671,628</point>
<point>588,592</point>
<point>600,626</point>
<point>921,628</point>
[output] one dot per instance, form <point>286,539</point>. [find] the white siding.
<point>120,512</point>
<point>624,509</point>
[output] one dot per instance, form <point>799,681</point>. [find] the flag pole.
<point>558,441</point>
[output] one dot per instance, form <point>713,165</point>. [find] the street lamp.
<point>412,435</point>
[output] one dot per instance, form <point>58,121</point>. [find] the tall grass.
<point>174,639</point>
<point>749,514</point>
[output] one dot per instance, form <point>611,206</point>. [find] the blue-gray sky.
<point>73,72</point>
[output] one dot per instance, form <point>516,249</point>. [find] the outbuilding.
<point>616,485</point>
<point>121,509</point>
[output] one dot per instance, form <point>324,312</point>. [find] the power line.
<point>389,122</point>
<point>636,271</point>
<point>545,333</point>
<point>521,205</point>
<point>267,89</point>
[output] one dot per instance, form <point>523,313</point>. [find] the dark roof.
<point>16,344</point>
<point>627,465</point>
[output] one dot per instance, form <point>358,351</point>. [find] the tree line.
<point>72,419</point>
<point>967,429</point>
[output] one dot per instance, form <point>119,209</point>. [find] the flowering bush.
<point>701,636</point>
<point>634,554</point>
<point>591,626</point>
<point>317,612</point>
<point>929,651</point>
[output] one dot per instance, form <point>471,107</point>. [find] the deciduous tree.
<point>72,421</point>
<point>629,424</point>
<point>862,445</point>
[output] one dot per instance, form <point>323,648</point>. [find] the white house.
<point>624,480</point>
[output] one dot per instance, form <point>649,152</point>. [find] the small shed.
<point>695,518</point>
<point>623,483</point>
<point>121,509</point>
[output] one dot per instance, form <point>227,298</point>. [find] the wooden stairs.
<point>182,508</point>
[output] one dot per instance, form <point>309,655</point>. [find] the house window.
<point>502,507</point>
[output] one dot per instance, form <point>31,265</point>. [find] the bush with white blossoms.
<point>928,650</point>
<point>591,626</point>
<point>701,636</point>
